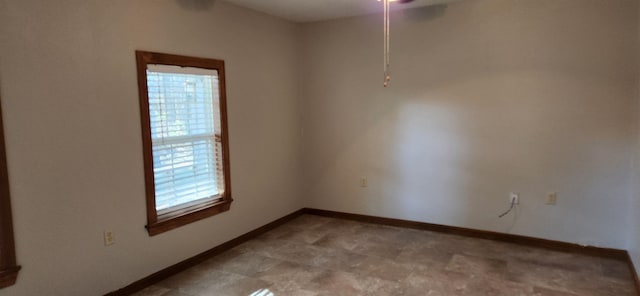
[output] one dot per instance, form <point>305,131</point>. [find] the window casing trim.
<point>159,223</point>
<point>8,267</point>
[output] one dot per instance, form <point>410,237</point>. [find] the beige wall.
<point>70,102</point>
<point>634,209</point>
<point>487,97</point>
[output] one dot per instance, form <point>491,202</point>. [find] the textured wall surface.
<point>70,97</point>
<point>487,97</point>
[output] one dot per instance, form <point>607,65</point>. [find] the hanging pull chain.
<point>387,72</point>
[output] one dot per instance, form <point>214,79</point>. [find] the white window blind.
<point>184,110</point>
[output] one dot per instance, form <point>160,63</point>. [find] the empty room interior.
<point>305,147</point>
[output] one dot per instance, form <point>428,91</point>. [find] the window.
<point>185,140</point>
<point>8,268</point>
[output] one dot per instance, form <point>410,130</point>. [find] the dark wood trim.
<point>483,234</point>
<point>175,222</point>
<point>616,254</point>
<point>610,253</point>
<point>634,273</point>
<point>195,260</point>
<point>9,276</point>
<point>144,58</point>
<point>147,147</point>
<point>8,267</point>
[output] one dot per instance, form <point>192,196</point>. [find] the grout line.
<point>483,234</point>
<point>621,255</point>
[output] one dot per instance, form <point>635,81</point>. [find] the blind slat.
<point>185,129</point>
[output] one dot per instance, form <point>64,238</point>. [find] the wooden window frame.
<point>156,225</point>
<point>8,267</point>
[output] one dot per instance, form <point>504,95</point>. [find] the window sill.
<point>8,276</point>
<point>173,222</point>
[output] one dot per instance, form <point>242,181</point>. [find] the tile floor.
<point>314,255</point>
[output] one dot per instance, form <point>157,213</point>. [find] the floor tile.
<point>289,277</point>
<point>320,256</point>
<point>153,291</point>
<point>344,283</point>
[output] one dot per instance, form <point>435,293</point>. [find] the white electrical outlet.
<point>552,198</point>
<point>364,182</point>
<point>109,238</point>
<point>514,198</point>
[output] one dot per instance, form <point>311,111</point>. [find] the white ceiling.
<point>318,10</point>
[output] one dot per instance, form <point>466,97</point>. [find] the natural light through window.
<point>262,292</point>
<point>185,139</point>
<point>185,133</point>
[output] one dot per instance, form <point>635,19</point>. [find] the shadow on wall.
<point>196,4</point>
<point>424,13</point>
<point>484,100</point>
<point>482,110</point>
